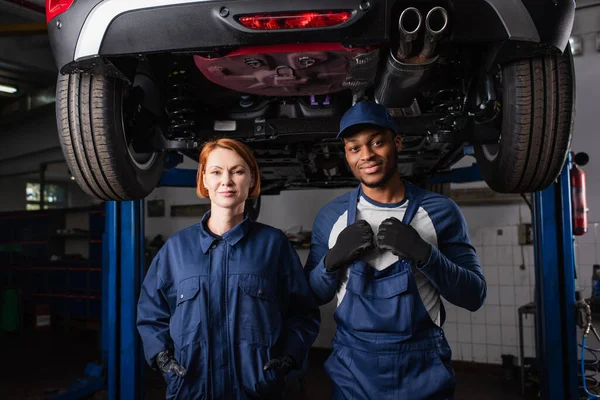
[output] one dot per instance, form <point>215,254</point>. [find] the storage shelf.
<point>33,242</point>
<point>67,296</point>
<point>19,268</point>
<point>37,256</point>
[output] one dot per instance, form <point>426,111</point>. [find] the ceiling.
<point>26,60</point>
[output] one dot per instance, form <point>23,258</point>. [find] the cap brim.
<point>352,128</point>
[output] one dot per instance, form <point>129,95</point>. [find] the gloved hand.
<point>167,363</point>
<point>403,240</point>
<point>281,365</point>
<point>354,240</point>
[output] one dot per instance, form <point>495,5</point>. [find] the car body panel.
<point>93,28</point>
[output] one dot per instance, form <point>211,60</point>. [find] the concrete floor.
<point>35,364</point>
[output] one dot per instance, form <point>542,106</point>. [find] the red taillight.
<point>302,20</point>
<point>56,7</point>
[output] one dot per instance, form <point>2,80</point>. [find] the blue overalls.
<point>386,345</point>
<point>225,306</point>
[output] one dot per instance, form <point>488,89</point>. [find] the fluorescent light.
<point>8,89</point>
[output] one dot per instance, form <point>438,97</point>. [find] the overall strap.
<point>415,196</point>
<point>352,203</point>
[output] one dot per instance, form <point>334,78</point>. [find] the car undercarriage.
<point>453,86</point>
<point>294,135</point>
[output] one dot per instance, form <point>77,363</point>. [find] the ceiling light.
<point>8,89</point>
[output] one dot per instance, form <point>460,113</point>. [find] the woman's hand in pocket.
<point>280,365</point>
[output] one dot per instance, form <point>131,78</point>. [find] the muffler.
<point>404,71</point>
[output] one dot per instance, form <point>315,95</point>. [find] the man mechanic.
<point>389,250</point>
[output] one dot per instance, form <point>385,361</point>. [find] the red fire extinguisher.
<point>578,196</point>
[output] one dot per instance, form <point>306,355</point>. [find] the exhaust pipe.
<point>409,25</point>
<point>404,73</point>
<point>436,23</point>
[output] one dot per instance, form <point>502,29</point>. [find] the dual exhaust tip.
<point>410,24</point>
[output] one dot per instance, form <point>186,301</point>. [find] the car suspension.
<point>180,104</point>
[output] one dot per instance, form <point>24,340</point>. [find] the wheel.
<point>535,127</point>
<point>252,207</point>
<point>96,126</point>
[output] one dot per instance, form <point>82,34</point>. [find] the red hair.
<point>234,145</point>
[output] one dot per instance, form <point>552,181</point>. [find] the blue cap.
<point>367,113</point>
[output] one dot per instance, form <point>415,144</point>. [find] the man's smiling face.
<point>372,154</point>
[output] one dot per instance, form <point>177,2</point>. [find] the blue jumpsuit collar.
<point>232,236</point>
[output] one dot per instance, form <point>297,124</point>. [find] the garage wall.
<point>33,134</point>
<point>13,194</point>
<point>484,336</point>
<point>587,127</point>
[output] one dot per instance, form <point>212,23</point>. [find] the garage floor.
<point>34,364</point>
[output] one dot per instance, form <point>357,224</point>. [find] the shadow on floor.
<point>35,364</point>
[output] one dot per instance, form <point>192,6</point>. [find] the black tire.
<point>89,110</point>
<point>538,100</point>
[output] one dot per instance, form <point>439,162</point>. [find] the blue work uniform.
<point>387,345</point>
<point>225,306</point>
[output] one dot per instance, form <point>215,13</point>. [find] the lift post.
<point>124,271</point>
<point>555,290</point>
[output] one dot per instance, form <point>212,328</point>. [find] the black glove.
<point>167,363</point>
<point>403,240</point>
<point>354,240</point>
<point>280,365</point>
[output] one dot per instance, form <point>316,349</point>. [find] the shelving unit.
<point>62,271</point>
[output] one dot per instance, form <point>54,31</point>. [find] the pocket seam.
<point>253,290</point>
<point>189,289</point>
<point>446,365</point>
<point>187,293</point>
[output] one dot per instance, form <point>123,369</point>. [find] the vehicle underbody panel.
<point>298,69</point>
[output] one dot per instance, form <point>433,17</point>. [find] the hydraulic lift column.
<point>124,272</point>
<point>555,290</point>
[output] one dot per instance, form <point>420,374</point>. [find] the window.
<point>54,196</point>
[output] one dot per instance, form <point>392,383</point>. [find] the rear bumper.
<point>106,28</point>
<point>117,27</point>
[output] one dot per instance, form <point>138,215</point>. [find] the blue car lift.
<point>124,271</point>
<point>556,333</point>
<point>554,268</point>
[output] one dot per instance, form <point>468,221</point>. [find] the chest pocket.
<point>378,305</point>
<point>189,310</point>
<point>257,308</point>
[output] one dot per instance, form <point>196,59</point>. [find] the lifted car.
<point>140,79</point>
